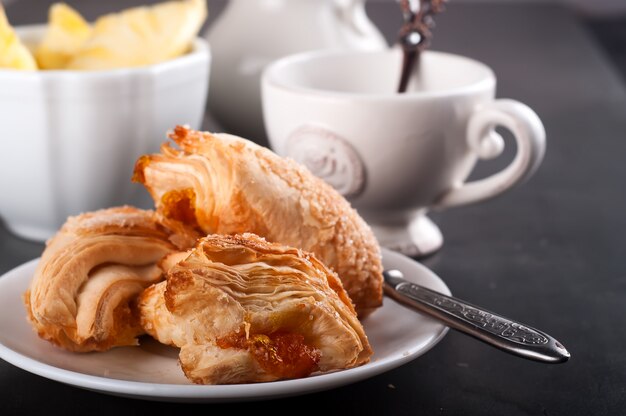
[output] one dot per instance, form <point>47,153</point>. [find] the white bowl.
<point>70,138</point>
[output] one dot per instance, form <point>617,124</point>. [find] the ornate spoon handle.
<point>496,330</point>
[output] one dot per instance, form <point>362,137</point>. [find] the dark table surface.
<point>551,253</point>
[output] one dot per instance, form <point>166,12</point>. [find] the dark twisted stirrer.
<point>415,33</point>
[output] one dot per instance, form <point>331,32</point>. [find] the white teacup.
<point>395,156</point>
<point>71,138</point>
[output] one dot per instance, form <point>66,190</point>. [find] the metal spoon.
<point>496,330</point>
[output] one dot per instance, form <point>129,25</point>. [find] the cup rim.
<point>200,49</point>
<point>269,77</point>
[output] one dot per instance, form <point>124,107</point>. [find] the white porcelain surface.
<point>151,371</point>
<point>394,156</point>
<point>71,138</point>
<point>250,34</point>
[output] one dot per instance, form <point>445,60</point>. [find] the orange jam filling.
<point>140,165</point>
<point>180,204</point>
<point>282,354</point>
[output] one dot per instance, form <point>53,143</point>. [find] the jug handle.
<point>351,12</point>
<point>348,4</point>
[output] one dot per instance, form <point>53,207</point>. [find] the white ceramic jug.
<point>249,34</point>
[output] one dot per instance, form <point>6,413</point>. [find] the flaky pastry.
<point>226,185</point>
<point>84,289</point>
<point>245,310</point>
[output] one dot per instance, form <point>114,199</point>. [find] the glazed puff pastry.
<point>245,310</point>
<point>227,185</point>
<point>84,289</point>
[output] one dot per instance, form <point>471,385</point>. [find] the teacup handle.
<point>530,136</point>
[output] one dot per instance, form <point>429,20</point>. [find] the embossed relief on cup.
<point>328,156</point>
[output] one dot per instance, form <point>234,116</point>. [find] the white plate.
<point>398,335</point>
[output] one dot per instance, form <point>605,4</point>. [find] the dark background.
<point>551,253</point>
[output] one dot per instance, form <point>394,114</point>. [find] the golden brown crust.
<point>231,186</point>
<point>83,292</point>
<point>245,310</point>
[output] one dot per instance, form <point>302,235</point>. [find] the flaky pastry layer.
<point>82,296</point>
<point>224,184</point>
<point>245,310</point>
